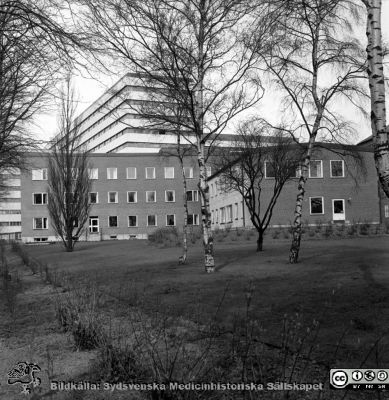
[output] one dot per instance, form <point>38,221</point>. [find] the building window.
<point>39,174</point>
<point>170,196</point>
<point>223,215</point>
<point>39,198</point>
<point>150,173</point>
<point>188,172</point>
<point>69,197</point>
<point>229,213</point>
<point>113,221</point>
<point>169,172</point>
<point>132,197</point>
<point>2,212</point>
<point>193,219</point>
<point>216,216</point>
<point>269,170</point>
<point>170,220</point>
<point>132,220</point>
<point>236,211</point>
<point>131,172</point>
<point>15,223</point>
<point>93,197</point>
<point>41,239</point>
<point>386,210</point>
<point>112,197</point>
<point>192,195</point>
<point>40,223</point>
<point>150,197</point>
<point>337,168</point>
<point>316,169</point>
<point>151,220</point>
<point>316,205</point>
<point>93,173</point>
<point>94,224</point>
<point>112,173</point>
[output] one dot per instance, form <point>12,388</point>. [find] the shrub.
<point>11,284</point>
<point>117,362</point>
<point>87,332</point>
<point>378,229</point>
<point>248,234</point>
<point>167,236</point>
<point>364,228</point>
<point>329,230</point>
<point>340,229</point>
<point>275,233</point>
<point>352,230</point>
<point>318,225</point>
<point>77,312</point>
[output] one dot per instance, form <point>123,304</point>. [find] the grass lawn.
<point>341,283</point>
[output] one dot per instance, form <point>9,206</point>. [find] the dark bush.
<point>165,235</point>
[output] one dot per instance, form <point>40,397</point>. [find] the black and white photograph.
<point>194,199</point>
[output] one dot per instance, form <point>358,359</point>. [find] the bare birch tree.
<point>257,154</point>
<point>68,177</point>
<point>181,152</point>
<point>316,62</point>
<point>192,50</point>
<point>375,55</point>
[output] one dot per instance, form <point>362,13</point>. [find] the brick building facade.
<point>134,194</point>
<point>131,196</point>
<point>342,187</point>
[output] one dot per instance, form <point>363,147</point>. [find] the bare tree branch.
<point>68,178</point>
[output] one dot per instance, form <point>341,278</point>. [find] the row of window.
<point>131,173</point>
<point>316,206</point>
<point>113,221</point>
<point>11,223</point>
<point>132,197</point>
<point>226,214</point>
<point>315,169</point>
<point>2,212</point>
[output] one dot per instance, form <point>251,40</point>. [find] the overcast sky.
<point>89,89</point>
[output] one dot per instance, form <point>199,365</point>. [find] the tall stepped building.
<point>113,124</point>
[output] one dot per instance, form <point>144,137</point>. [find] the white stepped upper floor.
<point>113,122</point>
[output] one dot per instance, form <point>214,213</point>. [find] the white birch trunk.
<point>185,226</point>
<point>377,91</point>
<point>205,214</point>
<point>209,261</point>
<point>297,223</point>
